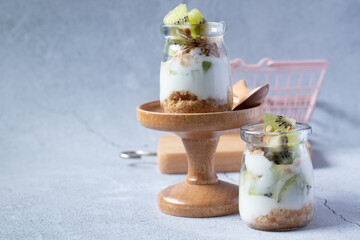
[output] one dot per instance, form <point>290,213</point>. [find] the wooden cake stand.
<point>202,194</point>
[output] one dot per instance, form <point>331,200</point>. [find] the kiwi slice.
<point>300,183</point>
<point>287,184</point>
<point>281,148</point>
<point>255,190</point>
<point>178,15</point>
<point>196,17</point>
<point>273,123</point>
<point>288,139</point>
<point>281,155</point>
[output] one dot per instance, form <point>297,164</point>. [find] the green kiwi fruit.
<point>178,16</point>
<point>196,17</point>
<point>281,155</point>
<point>299,181</point>
<point>281,148</point>
<point>274,123</point>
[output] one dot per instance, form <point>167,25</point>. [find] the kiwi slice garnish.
<point>178,15</point>
<point>273,123</point>
<point>196,17</point>
<point>281,148</point>
<point>299,182</point>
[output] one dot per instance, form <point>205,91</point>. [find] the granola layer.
<point>207,46</point>
<point>281,219</point>
<point>187,102</point>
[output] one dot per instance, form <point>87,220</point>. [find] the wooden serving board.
<point>228,158</point>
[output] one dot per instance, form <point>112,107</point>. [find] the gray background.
<point>72,74</point>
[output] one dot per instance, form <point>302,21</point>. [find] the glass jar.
<point>276,179</point>
<point>195,71</point>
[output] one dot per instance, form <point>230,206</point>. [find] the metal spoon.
<point>136,154</point>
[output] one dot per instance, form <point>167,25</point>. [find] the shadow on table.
<point>335,213</point>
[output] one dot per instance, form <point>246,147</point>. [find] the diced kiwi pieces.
<point>272,123</point>
<point>206,65</point>
<point>196,17</point>
<point>178,15</point>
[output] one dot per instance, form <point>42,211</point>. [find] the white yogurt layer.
<point>263,179</point>
<point>187,72</point>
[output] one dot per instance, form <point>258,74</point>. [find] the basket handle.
<point>291,64</point>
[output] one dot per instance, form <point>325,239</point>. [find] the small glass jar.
<point>276,191</point>
<point>195,71</point>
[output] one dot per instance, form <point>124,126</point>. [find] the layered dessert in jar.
<point>276,178</point>
<point>195,71</point>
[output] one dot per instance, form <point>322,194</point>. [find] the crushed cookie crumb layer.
<point>280,219</point>
<point>187,102</point>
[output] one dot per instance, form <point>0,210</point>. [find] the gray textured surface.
<point>71,76</point>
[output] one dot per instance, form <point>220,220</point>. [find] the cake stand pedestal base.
<point>202,194</point>
<point>187,200</point>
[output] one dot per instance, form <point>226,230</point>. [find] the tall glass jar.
<point>195,71</point>
<point>276,179</point>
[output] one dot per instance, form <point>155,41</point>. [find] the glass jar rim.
<point>201,24</point>
<point>253,132</point>
<point>214,29</point>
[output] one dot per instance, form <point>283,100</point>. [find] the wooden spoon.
<point>246,98</point>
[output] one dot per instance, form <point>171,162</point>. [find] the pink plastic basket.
<point>294,85</point>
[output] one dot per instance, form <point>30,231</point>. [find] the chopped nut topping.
<point>257,151</point>
<point>288,170</point>
<point>266,139</point>
<point>187,32</point>
<point>268,128</point>
<point>253,175</point>
<point>208,47</point>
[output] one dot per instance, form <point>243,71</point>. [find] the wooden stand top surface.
<point>151,116</point>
